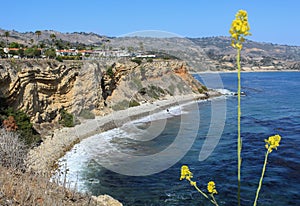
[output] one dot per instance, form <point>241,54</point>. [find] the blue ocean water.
<point>271,106</point>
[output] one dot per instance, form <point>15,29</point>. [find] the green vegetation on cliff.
<point>24,127</point>
<point>67,119</point>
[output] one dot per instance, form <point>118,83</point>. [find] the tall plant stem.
<point>261,179</point>
<point>239,141</point>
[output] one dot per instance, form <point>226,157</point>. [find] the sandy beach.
<point>44,157</point>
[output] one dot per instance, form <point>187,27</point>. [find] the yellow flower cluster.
<point>211,187</point>
<point>272,142</point>
<point>186,173</point>
<point>239,29</point>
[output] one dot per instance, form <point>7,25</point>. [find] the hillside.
<point>216,54</point>
<point>201,54</point>
<point>79,37</point>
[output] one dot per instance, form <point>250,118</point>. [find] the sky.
<point>273,21</point>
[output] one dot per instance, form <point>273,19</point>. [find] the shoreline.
<point>243,71</point>
<point>44,158</point>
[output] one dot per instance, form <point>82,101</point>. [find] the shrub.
<point>204,88</point>
<point>137,60</point>
<point>133,103</point>
<point>87,114</point>
<point>67,119</point>
<point>10,124</point>
<point>110,72</point>
<point>155,91</point>
<point>25,128</point>
<point>121,105</point>
<point>50,53</point>
<point>143,91</point>
<point>13,151</point>
<point>32,52</point>
<point>59,58</point>
<point>149,60</point>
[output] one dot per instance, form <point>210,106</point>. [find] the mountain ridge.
<point>202,54</point>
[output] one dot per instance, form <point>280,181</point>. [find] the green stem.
<point>202,193</point>
<point>239,142</point>
<point>214,200</point>
<point>261,179</point>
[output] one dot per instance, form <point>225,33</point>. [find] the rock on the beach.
<point>106,200</point>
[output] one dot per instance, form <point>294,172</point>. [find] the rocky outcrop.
<point>106,200</point>
<point>294,66</point>
<point>150,81</point>
<point>42,88</point>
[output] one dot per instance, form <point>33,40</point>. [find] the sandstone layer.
<point>42,88</point>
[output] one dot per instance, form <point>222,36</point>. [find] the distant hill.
<point>221,45</point>
<point>80,37</point>
<point>216,54</point>
<point>202,54</point>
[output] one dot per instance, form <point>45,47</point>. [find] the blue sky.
<point>275,21</point>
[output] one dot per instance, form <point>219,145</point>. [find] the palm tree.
<point>6,34</point>
<point>141,45</point>
<point>38,34</point>
<point>53,37</point>
<point>103,46</point>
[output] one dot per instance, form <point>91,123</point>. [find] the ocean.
<point>139,163</point>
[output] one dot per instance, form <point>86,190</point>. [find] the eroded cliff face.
<point>42,88</point>
<point>38,88</point>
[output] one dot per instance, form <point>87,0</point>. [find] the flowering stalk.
<point>239,29</point>
<point>188,175</point>
<point>261,178</point>
<point>239,141</point>
<point>213,200</point>
<point>211,188</point>
<point>271,143</point>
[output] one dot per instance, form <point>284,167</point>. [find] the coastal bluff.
<point>42,88</point>
<point>108,90</point>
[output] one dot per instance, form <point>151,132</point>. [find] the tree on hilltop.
<point>6,34</point>
<point>53,38</point>
<point>38,33</point>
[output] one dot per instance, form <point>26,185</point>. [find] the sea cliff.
<point>43,88</point>
<point>94,93</point>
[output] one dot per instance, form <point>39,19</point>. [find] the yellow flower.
<point>186,173</point>
<point>211,187</point>
<point>238,45</point>
<point>239,29</point>
<point>272,142</point>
